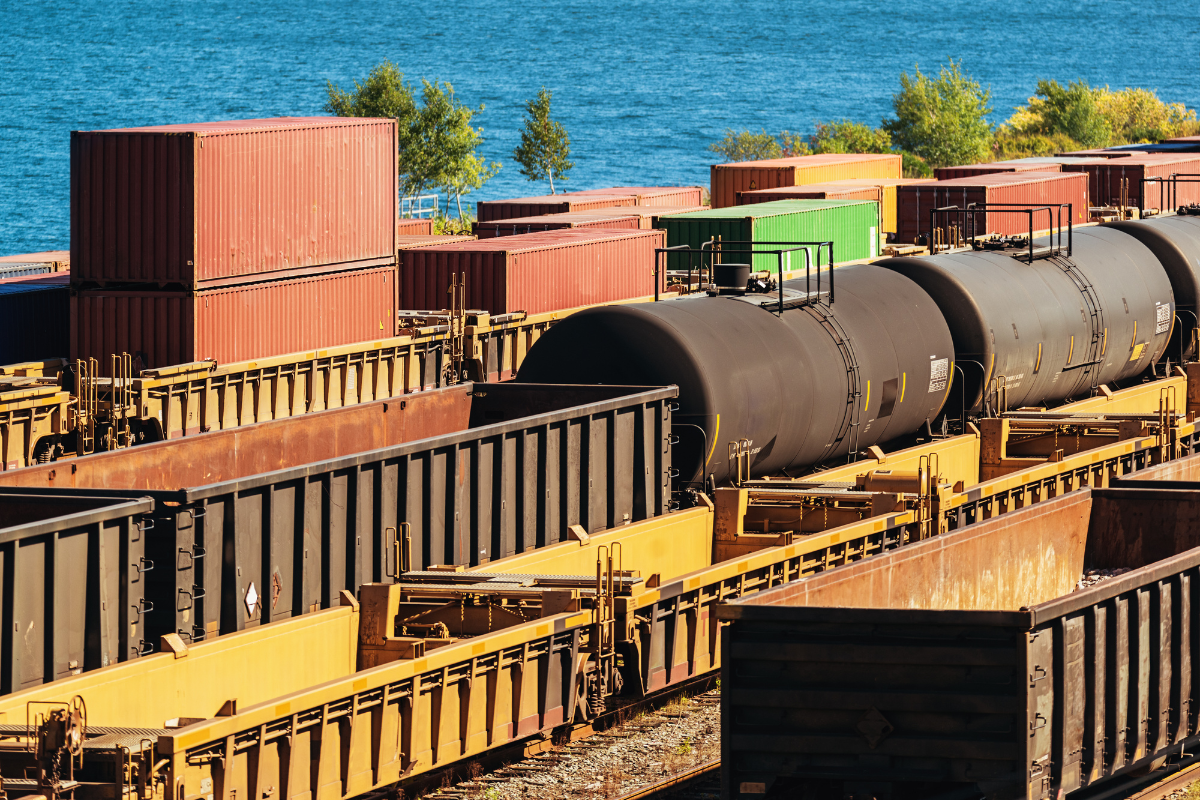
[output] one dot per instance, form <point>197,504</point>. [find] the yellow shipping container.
<point>744,176</point>
<point>884,192</point>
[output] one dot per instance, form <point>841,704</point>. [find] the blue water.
<point>641,86</point>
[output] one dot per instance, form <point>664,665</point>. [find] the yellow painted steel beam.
<point>1140,399</point>
<point>247,667</point>
<point>670,545</point>
<point>958,460</point>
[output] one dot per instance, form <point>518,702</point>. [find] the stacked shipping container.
<point>641,217</point>
<point>1119,181</point>
<point>233,240</point>
<point>534,272</point>
<point>915,202</point>
<point>34,312</point>
<point>851,224</point>
<point>653,195</point>
<point>744,176</point>
<point>881,190</point>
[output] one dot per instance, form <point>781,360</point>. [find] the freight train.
<point>788,382</point>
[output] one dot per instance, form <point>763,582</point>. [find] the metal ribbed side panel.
<point>414,227</point>
<point>729,179</point>
<point>535,273</point>
<point>236,323</point>
<point>551,222</point>
<point>186,207</point>
<point>34,319</point>
<point>915,202</point>
<point>970,170</point>
<point>1118,181</point>
<point>491,210</point>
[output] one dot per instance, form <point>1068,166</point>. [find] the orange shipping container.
<point>234,323</point>
<point>223,202</point>
<point>491,210</point>
<point>534,272</point>
<point>654,195</point>
<point>915,202</point>
<point>744,176</point>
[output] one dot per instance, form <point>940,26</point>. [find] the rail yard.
<point>821,481</point>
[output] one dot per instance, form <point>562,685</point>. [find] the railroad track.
<point>702,782</point>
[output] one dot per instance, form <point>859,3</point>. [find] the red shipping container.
<point>223,202</point>
<point>915,201</point>
<point>969,170</point>
<point>654,195</point>
<point>534,272</point>
<point>811,191</point>
<point>1118,181</point>
<point>414,227</point>
<point>1099,152</point>
<point>491,210</point>
<point>553,222</point>
<point>234,323</point>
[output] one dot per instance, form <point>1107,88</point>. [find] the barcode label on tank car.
<point>938,370</point>
<point>1162,318</point>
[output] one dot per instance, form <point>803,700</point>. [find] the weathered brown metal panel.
<point>234,323</point>
<point>190,204</point>
<point>72,575</point>
<point>491,210</point>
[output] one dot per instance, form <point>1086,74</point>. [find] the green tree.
<point>850,137</point>
<point>942,120</point>
<point>747,146</point>
<point>1070,110</point>
<point>545,148</point>
<point>793,144</point>
<point>437,143</point>
<point>445,143</point>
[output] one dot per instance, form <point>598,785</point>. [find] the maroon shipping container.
<point>409,242</point>
<point>1098,152</point>
<point>235,323</point>
<point>553,222</point>
<point>915,201</point>
<point>1118,181</point>
<point>653,195</point>
<point>969,170</point>
<point>491,210</point>
<point>223,202</point>
<point>414,227</point>
<point>534,272</point>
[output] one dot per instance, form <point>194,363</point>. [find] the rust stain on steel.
<point>1003,564</point>
<point>194,203</point>
<point>255,449</point>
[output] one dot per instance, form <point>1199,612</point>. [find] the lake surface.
<point>642,86</point>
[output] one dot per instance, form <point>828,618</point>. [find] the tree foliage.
<point>545,147</point>
<point>942,120</point>
<point>437,143</point>
<point>747,146</point>
<point>850,137</point>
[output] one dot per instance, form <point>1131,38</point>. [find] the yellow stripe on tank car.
<point>1071,352</point>
<point>1038,365</point>
<point>1104,343</point>
<point>867,402</point>
<point>1134,342</point>
<point>903,384</point>
<point>716,434</point>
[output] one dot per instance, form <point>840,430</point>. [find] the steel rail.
<point>676,781</point>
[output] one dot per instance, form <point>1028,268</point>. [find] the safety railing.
<point>968,216</point>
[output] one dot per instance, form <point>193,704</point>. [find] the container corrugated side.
<point>551,222</point>
<point>534,272</point>
<point>409,242</point>
<point>969,170</point>
<point>1113,182</point>
<point>195,204</point>
<point>852,225</point>
<point>887,187</point>
<point>654,195</point>
<point>915,202</point>
<point>58,260</point>
<point>35,319</point>
<point>491,210</point>
<point>235,323</point>
<point>414,227</point>
<point>727,180</point>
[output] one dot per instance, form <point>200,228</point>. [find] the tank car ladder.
<point>1098,345</point>
<point>853,418</point>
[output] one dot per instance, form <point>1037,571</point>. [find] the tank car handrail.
<point>1029,209</point>
<point>707,247</point>
<point>1170,184</point>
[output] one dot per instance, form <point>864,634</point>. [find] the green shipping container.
<point>852,226</point>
